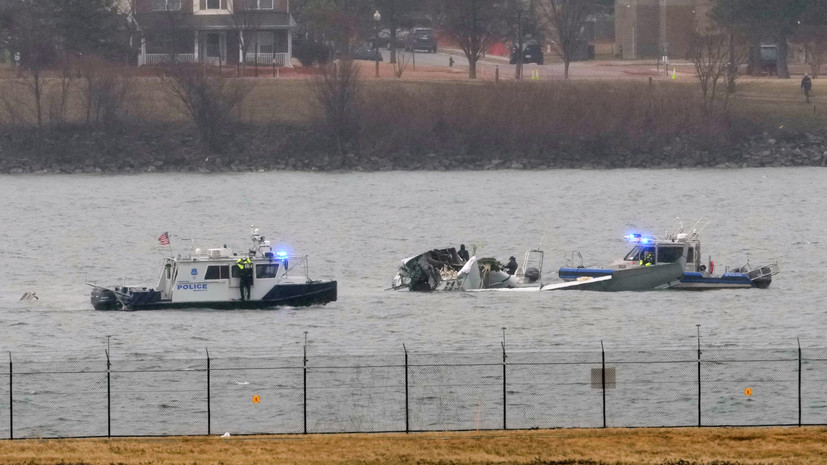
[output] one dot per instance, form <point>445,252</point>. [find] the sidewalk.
<point>488,58</point>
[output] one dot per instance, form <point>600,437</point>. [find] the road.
<point>486,68</point>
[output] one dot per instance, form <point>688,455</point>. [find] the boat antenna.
<point>542,238</point>
<point>698,232</point>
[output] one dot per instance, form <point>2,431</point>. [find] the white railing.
<point>159,58</point>
<point>266,58</point>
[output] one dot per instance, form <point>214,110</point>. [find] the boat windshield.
<point>665,254</point>
<point>638,252</point>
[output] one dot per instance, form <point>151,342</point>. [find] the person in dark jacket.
<point>807,86</point>
<point>463,253</point>
<point>511,266</point>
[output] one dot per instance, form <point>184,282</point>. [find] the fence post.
<point>407,411</point>
<point>209,411</point>
<point>304,370</point>
<point>108,396</point>
<point>603,379</point>
<point>799,382</point>
<point>699,374</point>
<point>505,416</point>
<point>11,399</point>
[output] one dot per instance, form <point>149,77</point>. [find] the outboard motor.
<point>104,299</point>
<point>532,274</point>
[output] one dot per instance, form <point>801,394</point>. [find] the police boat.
<point>216,277</point>
<point>668,249</point>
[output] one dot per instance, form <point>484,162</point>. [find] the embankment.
<point>283,147</point>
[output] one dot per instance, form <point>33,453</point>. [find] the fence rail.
<point>162,58</point>
<point>411,392</point>
<point>270,59</point>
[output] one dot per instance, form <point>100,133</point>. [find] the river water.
<point>58,231</point>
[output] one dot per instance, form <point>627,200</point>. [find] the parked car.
<point>366,51</point>
<point>532,53</point>
<point>401,38</point>
<point>421,38</point>
<point>383,38</point>
<point>309,53</point>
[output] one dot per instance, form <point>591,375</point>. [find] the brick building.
<point>653,28</point>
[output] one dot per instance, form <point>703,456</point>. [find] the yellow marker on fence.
<point>674,73</point>
<point>748,391</point>
<point>256,399</point>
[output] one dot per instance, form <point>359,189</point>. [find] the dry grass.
<point>291,100</point>
<point>787,446</point>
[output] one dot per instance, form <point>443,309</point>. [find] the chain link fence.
<point>412,391</point>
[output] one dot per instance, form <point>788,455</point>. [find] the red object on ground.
<point>498,48</point>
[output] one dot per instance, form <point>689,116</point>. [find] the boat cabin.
<point>665,250</point>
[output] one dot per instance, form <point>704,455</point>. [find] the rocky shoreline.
<point>128,150</point>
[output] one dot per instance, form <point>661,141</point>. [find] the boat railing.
<point>763,271</point>
<point>574,259</point>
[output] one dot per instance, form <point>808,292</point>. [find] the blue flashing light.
<point>281,254</point>
<point>639,238</point>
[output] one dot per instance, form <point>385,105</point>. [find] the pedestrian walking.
<point>806,86</point>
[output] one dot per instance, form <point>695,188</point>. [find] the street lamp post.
<point>376,18</point>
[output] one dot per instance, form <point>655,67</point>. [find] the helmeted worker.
<point>245,272</point>
<point>511,266</point>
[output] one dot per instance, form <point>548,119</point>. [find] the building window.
<point>166,5</point>
<point>213,4</point>
<point>259,4</point>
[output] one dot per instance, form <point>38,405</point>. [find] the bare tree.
<point>711,54</point>
<point>816,53</point>
<point>31,35</point>
<point>59,97</point>
<point>246,23</point>
<point>474,25</point>
<point>126,12</point>
<point>391,11</point>
<point>207,99</point>
<point>518,15</point>
<point>337,90</point>
<point>812,33</point>
<point>104,88</point>
<point>403,58</point>
<point>564,21</point>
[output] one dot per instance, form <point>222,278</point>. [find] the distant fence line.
<point>410,392</point>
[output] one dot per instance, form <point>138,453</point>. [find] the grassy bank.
<point>690,446</point>
<point>429,125</point>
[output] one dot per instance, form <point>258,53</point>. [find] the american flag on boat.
<point>164,238</point>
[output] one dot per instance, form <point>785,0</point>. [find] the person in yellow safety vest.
<point>245,272</point>
<point>648,259</point>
